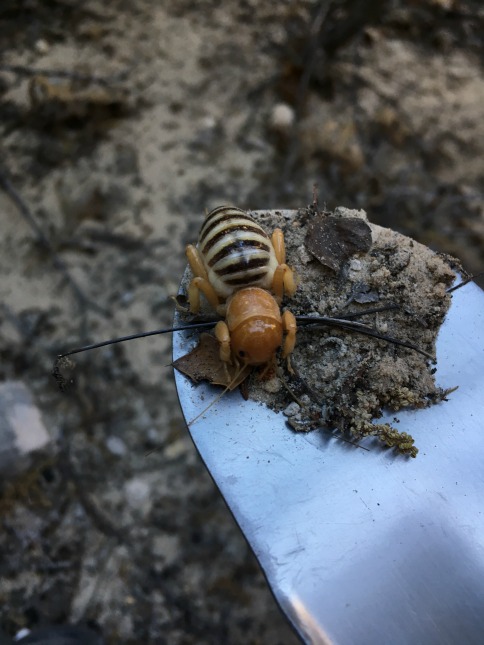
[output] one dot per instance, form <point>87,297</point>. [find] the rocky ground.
<point>120,124</point>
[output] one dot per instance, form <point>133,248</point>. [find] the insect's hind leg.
<point>289,326</point>
<point>279,246</point>
<point>195,261</point>
<point>200,282</point>
<point>283,280</point>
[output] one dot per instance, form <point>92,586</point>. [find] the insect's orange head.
<point>256,341</point>
<point>254,321</point>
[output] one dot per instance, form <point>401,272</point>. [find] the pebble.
<point>138,494</point>
<point>292,409</point>
<point>116,446</point>
<point>22,432</point>
<point>272,385</point>
<point>282,117</point>
<point>42,46</point>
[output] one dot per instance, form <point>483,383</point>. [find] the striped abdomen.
<point>236,251</point>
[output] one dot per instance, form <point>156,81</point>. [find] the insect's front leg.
<point>222,334</point>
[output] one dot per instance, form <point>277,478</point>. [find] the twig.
<point>374,310</point>
<point>44,241</point>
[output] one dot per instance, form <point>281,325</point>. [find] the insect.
<point>237,266</point>
<point>242,272</point>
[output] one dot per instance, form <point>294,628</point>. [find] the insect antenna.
<point>63,367</point>
<point>468,279</point>
<point>199,325</point>
<point>360,328</point>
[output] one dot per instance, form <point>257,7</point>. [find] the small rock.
<point>166,547</point>
<point>282,117</point>
<point>355,265</point>
<point>42,46</point>
<point>116,446</point>
<point>22,432</point>
<point>272,385</point>
<point>292,409</point>
<point>138,493</point>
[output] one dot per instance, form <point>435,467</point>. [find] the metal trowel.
<point>363,546</point>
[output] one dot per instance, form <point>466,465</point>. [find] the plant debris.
<point>204,364</point>
<point>333,240</point>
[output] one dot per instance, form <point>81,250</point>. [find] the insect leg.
<point>195,261</point>
<point>279,245</point>
<point>222,334</point>
<point>289,281</point>
<point>283,281</point>
<point>201,284</point>
<point>289,326</point>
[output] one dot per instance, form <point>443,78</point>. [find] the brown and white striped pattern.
<point>236,251</point>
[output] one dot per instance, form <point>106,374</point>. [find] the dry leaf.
<point>333,240</point>
<point>204,364</point>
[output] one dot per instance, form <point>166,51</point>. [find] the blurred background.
<point>121,124</point>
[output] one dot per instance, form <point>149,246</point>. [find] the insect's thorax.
<point>254,320</point>
<point>251,303</point>
<point>236,251</point>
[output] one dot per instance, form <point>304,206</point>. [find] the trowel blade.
<point>363,547</point>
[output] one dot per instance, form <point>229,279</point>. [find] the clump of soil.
<point>342,379</point>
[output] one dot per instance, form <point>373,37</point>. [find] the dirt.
<point>343,379</point>
<point>120,125</point>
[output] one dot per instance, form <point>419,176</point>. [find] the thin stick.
<point>374,310</point>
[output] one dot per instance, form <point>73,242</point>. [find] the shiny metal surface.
<point>363,547</point>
